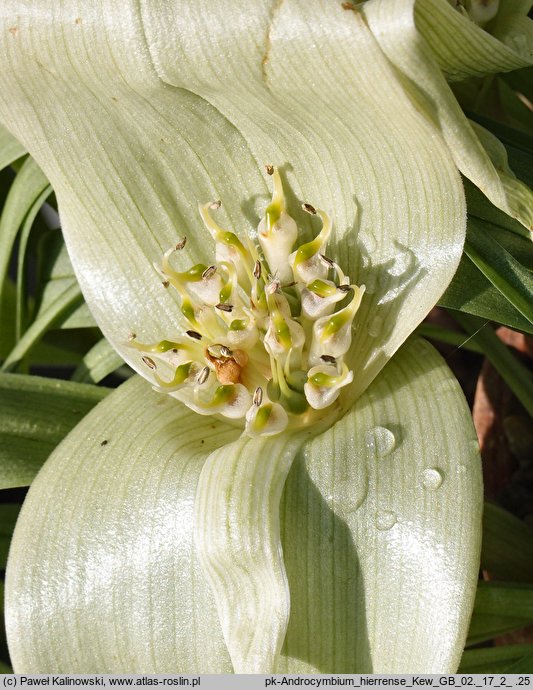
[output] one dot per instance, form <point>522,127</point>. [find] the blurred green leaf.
<point>485,627</point>
<point>506,274</point>
<point>8,517</point>
<point>55,275</point>
<point>492,659</point>
<point>505,599</point>
<point>27,225</point>
<point>445,335</point>
<point>35,415</point>
<point>515,374</point>
<point>507,547</point>
<point>28,185</point>
<point>522,665</point>
<point>58,309</point>
<point>500,608</point>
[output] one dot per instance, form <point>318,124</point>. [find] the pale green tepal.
<point>182,544</point>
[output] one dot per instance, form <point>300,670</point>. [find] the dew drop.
<point>375,326</point>
<point>385,520</point>
<point>431,478</point>
<point>381,440</point>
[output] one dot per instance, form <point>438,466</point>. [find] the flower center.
<point>266,328</point>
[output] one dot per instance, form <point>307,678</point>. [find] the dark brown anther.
<point>166,283</point>
<point>344,288</point>
<point>258,396</point>
<point>193,334</point>
<point>132,336</point>
<point>257,270</point>
<point>224,307</point>
<point>328,358</point>
<point>181,244</point>
<point>309,209</point>
<point>149,362</point>
<point>269,169</point>
<point>329,262</point>
<point>214,205</point>
<point>209,271</point>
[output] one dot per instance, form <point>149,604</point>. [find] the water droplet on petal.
<point>375,326</point>
<point>381,440</point>
<point>385,520</point>
<point>432,478</point>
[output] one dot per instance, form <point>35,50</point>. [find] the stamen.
<point>224,307</point>
<point>328,358</point>
<point>311,210</point>
<point>149,362</point>
<point>269,169</point>
<point>166,283</point>
<point>203,376</point>
<point>225,351</point>
<point>209,272</point>
<point>329,262</point>
<point>194,334</point>
<point>215,205</point>
<point>181,244</point>
<point>258,396</point>
<point>257,270</point>
<point>344,288</point>
<point>132,336</point>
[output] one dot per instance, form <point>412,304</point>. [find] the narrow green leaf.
<point>29,184</point>
<point>507,550</point>
<point>64,304</point>
<point>55,274</point>
<point>499,598</point>
<point>8,517</point>
<point>99,362</point>
<point>515,374</point>
<point>21,260</point>
<point>470,292</point>
<point>485,627</point>
<point>523,665</point>
<point>504,272</point>
<point>492,659</point>
<point>445,335</point>
<point>35,415</point>
<point>10,148</point>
